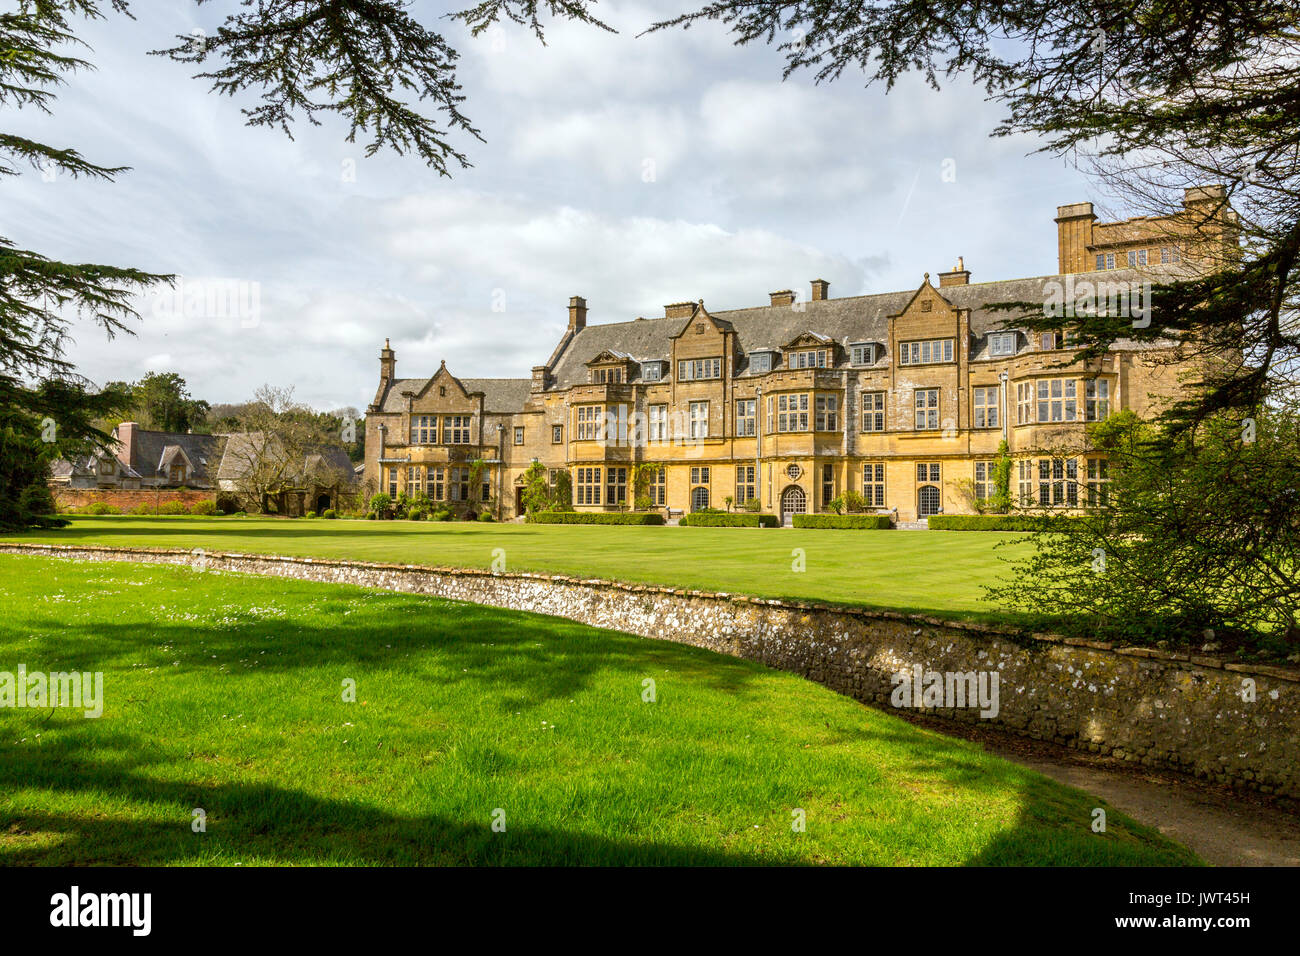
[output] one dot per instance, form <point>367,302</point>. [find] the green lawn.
<point>937,572</point>
<point>225,692</point>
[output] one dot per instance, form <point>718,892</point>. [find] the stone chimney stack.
<point>577,313</point>
<point>387,364</point>
<point>1074,225</point>
<point>959,275</point>
<point>784,297</point>
<point>821,289</point>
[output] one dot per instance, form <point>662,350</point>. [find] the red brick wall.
<point>126,500</point>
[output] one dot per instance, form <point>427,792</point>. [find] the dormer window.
<point>652,371</point>
<point>692,369</point>
<point>811,358</point>
<point>863,353</point>
<point>1002,343</point>
<point>607,376</point>
<point>1052,341</point>
<point>760,362</point>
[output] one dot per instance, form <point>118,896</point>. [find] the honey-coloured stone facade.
<point>904,397</point>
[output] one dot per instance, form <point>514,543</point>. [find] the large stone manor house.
<point>903,397</point>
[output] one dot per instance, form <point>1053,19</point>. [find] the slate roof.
<point>151,452</point>
<point>499,394</point>
<point>850,320</point>
<point>863,318</point>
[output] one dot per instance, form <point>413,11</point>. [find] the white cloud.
<point>626,145</point>
<point>759,185</point>
<point>625,266</point>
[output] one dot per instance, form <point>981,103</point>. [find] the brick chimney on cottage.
<point>125,435</point>
<point>821,289</point>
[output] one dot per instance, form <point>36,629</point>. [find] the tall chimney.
<point>1074,225</point>
<point>577,313</point>
<point>387,363</point>
<point>821,289</point>
<point>1204,195</point>
<point>784,297</point>
<point>125,435</point>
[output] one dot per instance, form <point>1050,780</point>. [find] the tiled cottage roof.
<point>152,452</point>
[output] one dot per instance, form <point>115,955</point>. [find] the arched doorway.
<point>699,498</point>
<point>323,504</point>
<point>927,501</point>
<point>793,502</point>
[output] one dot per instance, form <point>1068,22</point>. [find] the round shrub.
<point>415,514</point>
<point>442,514</point>
<point>142,509</point>
<point>203,508</point>
<point>329,514</point>
<point>101,508</point>
<point>485,516</point>
<point>173,508</point>
<point>310,514</point>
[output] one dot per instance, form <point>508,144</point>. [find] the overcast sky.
<point>634,171</point>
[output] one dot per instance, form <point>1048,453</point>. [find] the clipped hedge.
<point>710,519</point>
<point>855,522</point>
<point>999,522</point>
<point>596,517</point>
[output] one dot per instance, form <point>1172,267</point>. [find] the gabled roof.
<point>609,356</point>
<point>499,394</point>
<point>169,456</point>
<point>803,339</point>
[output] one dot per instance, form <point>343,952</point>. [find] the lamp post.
<point>501,461</point>
<point>758,446</point>
<point>1002,387</point>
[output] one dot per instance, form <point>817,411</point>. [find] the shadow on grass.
<point>271,823</point>
<point>518,660</point>
<point>540,658</point>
